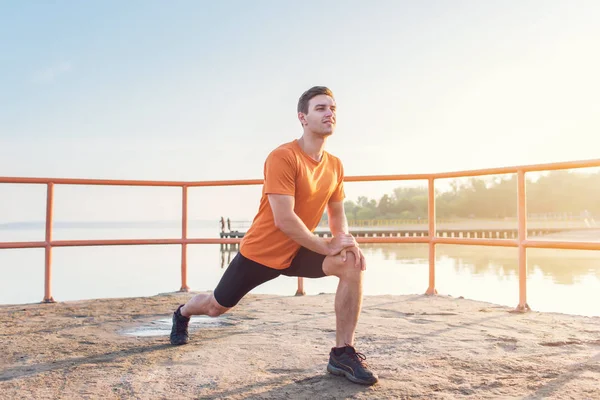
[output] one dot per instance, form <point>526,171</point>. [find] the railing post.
<point>431,290</point>
<point>300,291</point>
<point>184,220</point>
<point>522,217</point>
<point>48,248</point>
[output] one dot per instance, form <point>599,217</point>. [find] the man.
<point>301,180</point>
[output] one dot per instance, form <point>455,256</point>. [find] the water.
<point>162,327</point>
<point>566,281</point>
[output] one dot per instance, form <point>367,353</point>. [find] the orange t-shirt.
<point>289,170</point>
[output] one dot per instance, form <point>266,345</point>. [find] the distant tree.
<point>556,192</point>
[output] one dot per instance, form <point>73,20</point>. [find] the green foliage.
<point>557,192</point>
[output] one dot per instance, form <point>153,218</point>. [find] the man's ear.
<point>302,118</point>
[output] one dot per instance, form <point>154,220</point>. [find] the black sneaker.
<point>352,365</point>
<point>179,331</point>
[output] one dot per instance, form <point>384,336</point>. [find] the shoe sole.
<point>178,343</point>
<point>340,372</point>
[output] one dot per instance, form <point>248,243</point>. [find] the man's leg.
<point>343,359</point>
<point>203,304</point>
<point>242,275</point>
<point>348,297</point>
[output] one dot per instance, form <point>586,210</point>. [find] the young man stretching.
<point>301,180</point>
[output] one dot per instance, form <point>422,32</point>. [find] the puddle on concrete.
<point>162,327</point>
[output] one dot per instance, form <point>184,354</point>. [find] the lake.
<point>565,281</point>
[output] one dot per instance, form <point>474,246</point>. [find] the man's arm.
<point>338,224</point>
<point>289,223</point>
<point>337,218</point>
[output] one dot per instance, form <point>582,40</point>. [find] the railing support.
<point>184,219</point>
<point>48,247</point>
<point>300,291</point>
<point>522,216</point>
<point>431,290</point>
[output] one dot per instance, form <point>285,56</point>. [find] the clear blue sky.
<point>200,90</point>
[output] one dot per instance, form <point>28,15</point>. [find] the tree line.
<point>559,192</point>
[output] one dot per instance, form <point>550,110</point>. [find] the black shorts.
<point>242,275</point>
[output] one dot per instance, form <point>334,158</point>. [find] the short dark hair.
<point>309,94</point>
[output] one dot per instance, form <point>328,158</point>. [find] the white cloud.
<point>50,74</point>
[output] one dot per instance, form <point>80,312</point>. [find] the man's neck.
<point>312,145</point>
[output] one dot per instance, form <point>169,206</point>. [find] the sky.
<point>204,90</point>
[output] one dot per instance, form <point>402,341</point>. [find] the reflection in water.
<point>565,267</point>
<point>229,256</point>
<point>565,281</point>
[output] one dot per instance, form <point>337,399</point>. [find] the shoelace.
<point>358,357</point>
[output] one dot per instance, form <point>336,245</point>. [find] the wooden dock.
<point>506,228</point>
<point>453,233</point>
<point>482,233</point>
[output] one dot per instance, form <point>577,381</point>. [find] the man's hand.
<point>339,243</point>
<point>344,243</point>
<point>358,256</point>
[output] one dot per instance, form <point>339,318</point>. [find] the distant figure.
<point>222,225</point>
<point>586,214</point>
<point>228,224</point>
<point>588,219</point>
<point>301,181</point>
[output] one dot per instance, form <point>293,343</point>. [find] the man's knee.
<point>347,269</point>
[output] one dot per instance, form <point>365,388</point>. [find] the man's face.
<point>320,118</point>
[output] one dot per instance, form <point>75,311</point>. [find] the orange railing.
<point>522,243</point>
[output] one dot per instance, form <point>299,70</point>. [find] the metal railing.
<point>522,243</point>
